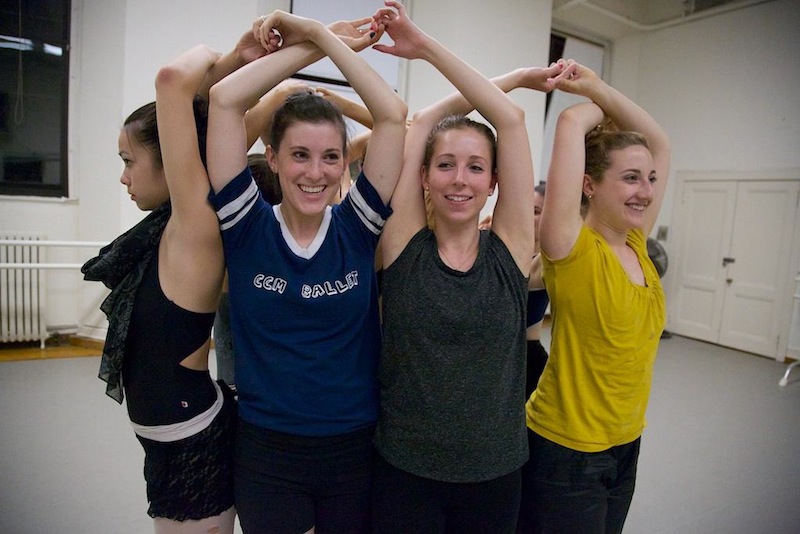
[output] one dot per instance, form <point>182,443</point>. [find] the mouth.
<point>457,198</point>
<point>637,207</point>
<point>312,189</point>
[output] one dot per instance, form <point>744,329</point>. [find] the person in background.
<point>303,291</point>
<point>537,304</point>
<point>587,414</point>
<point>165,275</point>
<point>451,432</point>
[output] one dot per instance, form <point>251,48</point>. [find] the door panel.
<point>707,219</point>
<point>761,246</point>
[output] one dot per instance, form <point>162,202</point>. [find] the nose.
<point>314,169</point>
<point>647,189</point>
<point>459,177</point>
<point>123,179</point>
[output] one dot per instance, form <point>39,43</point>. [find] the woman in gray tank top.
<point>451,433</point>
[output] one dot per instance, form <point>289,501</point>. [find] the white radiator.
<point>22,291</point>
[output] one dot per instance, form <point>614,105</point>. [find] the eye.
<point>127,162</point>
<point>300,154</point>
<point>476,168</point>
<point>653,178</point>
<point>333,157</point>
<point>444,165</point>
<point>631,178</point>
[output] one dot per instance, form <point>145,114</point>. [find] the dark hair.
<point>142,126</point>
<point>456,122</point>
<point>599,145</point>
<point>266,180</point>
<point>305,107</point>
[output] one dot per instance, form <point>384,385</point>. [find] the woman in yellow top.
<point>586,416</point>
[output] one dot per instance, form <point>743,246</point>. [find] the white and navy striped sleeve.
<point>235,200</point>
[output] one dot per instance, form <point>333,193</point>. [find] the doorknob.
<point>726,261</point>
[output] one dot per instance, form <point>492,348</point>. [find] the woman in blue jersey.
<point>165,275</point>
<point>587,414</point>
<point>304,309</point>
<point>451,435</point>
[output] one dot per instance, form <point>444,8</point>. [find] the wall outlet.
<point>661,235</point>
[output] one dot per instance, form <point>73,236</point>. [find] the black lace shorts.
<point>193,478</point>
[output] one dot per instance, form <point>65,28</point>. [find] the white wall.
<point>725,89</point>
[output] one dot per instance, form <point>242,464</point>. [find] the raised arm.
<point>235,94</point>
<point>513,219</point>
<point>561,217</point>
<point>349,108</point>
<point>628,116</point>
<point>192,234</point>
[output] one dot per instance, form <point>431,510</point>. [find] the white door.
<point>757,278</point>
<point>733,271</point>
<point>707,215</point>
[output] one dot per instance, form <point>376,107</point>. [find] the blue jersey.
<point>304,321</point>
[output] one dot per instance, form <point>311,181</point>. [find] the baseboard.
<point>86,342</point>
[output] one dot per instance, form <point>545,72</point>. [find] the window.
<point>34,77</point>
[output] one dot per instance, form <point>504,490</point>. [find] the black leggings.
<point>403,503</point>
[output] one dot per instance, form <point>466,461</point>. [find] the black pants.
<point>566,491</point>
<point>404,503</point>
<point>288,484</point>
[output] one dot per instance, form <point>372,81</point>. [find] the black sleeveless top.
<point>161,334</point>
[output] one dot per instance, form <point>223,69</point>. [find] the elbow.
<point>517,115</point>
<point>169,77</point>
<point>395,113</point>
<point>221,97</point>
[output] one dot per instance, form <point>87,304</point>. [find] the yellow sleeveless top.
<point>605,333</point>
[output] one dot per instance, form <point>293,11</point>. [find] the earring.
<point>590,197</point>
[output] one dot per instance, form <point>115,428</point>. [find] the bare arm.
<point>192,257</point>
<point>561,220</point>
<point>350,108</point>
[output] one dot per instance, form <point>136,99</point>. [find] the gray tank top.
<point>452,375</point>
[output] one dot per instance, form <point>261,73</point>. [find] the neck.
<point>303,228</point>
<point>613,236</point>
<point>458,250</point>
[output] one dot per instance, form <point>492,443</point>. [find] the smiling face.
<point>459,175</point>
<point>621,198</point>
<point>310,161</point>
<point>142,175</point>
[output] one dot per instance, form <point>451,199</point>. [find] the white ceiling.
<point>609,20</point>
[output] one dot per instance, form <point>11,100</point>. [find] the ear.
<point>588,185</point>
<point>272,159</point>
<point>493,184</point>
<point>423,178</point>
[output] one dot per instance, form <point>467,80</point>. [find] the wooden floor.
<point>67,347</point>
